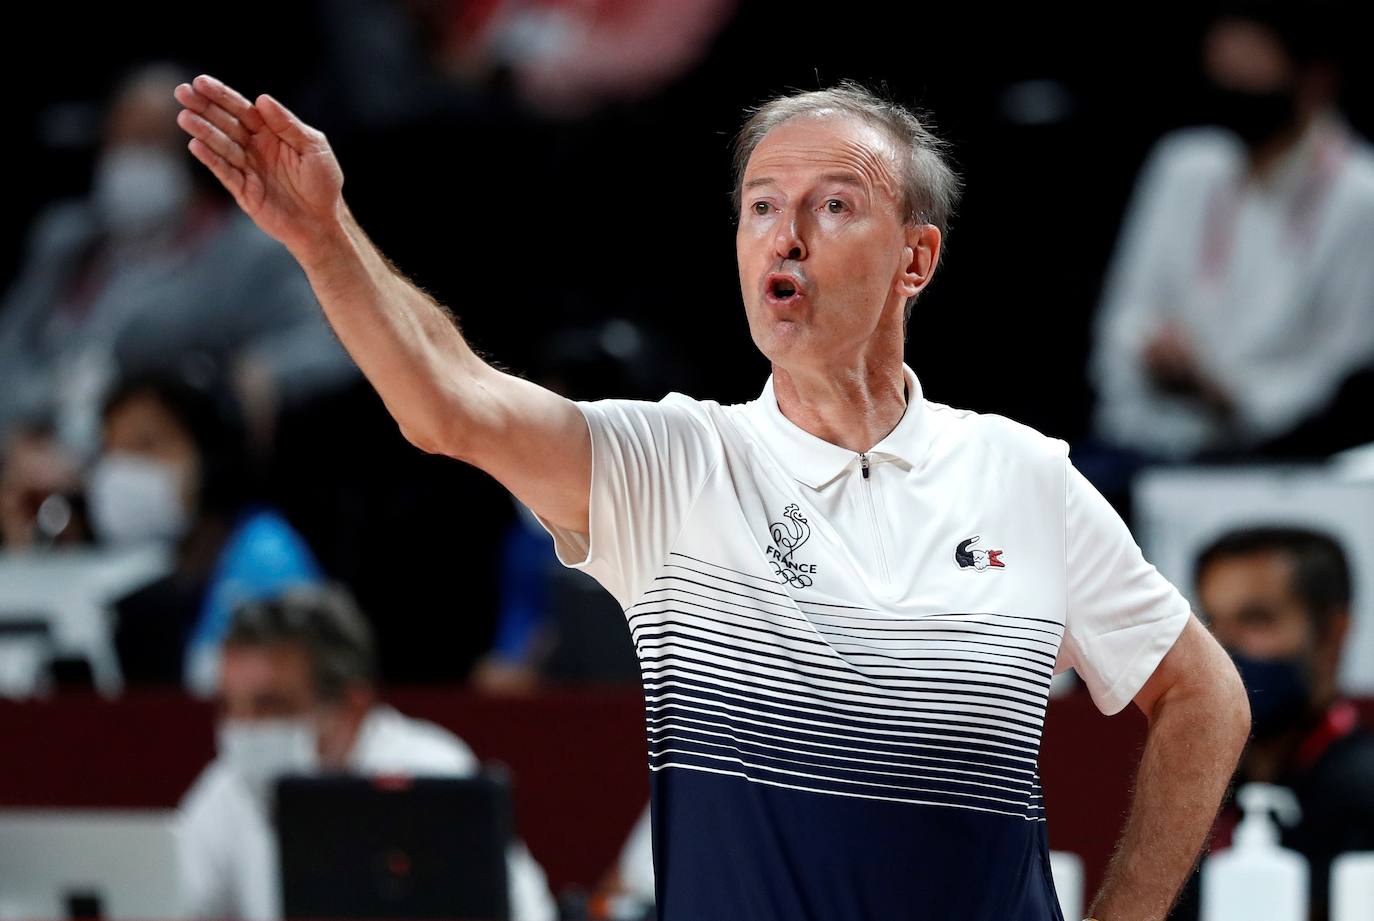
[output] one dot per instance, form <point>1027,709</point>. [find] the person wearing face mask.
<point>154,261</point>
<point>297,695</point>
<point>1277,598</point>
<point>1238,314</point>
<point>174,468</point>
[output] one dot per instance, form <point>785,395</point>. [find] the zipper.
<point>873,514</point>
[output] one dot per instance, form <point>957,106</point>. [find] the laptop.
<point>430,847</point>
<point>88,863</point>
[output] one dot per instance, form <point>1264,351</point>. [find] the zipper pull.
<point>863,464</point>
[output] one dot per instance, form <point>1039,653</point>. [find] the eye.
<point>834,206</point>
<point>760,207</point>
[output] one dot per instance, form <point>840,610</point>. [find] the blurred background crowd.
<point>1165,256</point>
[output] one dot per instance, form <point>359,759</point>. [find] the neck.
<point>337,746</point>
<point>851,407</point>
<point>1265,158</point>
<point>1266,760</point>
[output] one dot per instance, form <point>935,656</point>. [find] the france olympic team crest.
<point>977,560</point>
<point>788,536</point>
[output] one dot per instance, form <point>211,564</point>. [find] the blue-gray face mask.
<point>1280,691</point>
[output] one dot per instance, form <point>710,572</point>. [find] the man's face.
<point>141,425</point>
<point>144,115</point>
<point>1251,607</point>
<point>1288,665</point>
<point>1247,56</point>
<point>275,683</point>
<point>826,258</point>
<point>265,682</point>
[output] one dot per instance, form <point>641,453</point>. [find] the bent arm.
<point>444,397</point>
<point>284,176</point>
<point>1199,722</point>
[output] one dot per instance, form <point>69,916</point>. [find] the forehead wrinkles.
<point>869,155</point>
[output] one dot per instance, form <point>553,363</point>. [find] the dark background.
<point>528,227</point>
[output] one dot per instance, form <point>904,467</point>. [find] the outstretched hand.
<point>280,170</point>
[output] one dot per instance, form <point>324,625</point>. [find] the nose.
<point>787,242</point>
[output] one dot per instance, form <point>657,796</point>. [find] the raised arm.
<point>445,398</point>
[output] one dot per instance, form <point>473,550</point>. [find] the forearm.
<point>1190,755</point>
<point>408,346</point>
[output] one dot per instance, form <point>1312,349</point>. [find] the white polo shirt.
<point>846,657</point>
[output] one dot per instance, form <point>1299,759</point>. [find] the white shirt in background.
<point>1272,280</point>
<point>228,851</point>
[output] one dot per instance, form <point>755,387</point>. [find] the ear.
<point>919,258</point>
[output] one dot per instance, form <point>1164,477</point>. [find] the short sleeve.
<point>649,464</point>
<point>1122,615</point>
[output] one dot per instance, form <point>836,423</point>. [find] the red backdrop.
<point>577,757</point>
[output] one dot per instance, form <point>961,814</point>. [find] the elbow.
<point>438,429</point>
<point>421,437</point>
<point>435,437</point>
<point>443,419</point>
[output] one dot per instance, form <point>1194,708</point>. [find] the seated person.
<point>155,261</point>
<point>555,625</point>
<point>1240,303</point>
<point>175,467</point>
<point>296,695</point>
<point>1278,599</point>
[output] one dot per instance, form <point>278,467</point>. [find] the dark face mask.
<point>1254,117</point>
<point>1279,690</point>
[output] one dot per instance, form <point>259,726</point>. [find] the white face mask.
<point>139,189</point>
<point>135,499</point>
<point>260,751</point>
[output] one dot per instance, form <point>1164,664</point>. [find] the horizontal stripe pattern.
<point>742,679</point>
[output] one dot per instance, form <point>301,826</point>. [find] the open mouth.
<point>782,289</point>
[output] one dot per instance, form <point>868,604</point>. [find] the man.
<point>1241,296</point>
<point>155,260</point>
<point>843,720</point>
<point>296,696</point>
<point>1277,598</point>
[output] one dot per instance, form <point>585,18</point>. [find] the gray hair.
<point>930,186</point>
<point>325,621</point>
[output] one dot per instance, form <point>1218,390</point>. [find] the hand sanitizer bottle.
<point>1352,886</point>
<point>1256,878</point>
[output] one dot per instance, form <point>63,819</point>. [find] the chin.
<point>784,342</point>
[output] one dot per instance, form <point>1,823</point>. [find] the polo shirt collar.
<point>814,461</point>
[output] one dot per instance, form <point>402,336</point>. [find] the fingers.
<point>282,122</point>
<point>232,178</point>
<point>212,137</point>
<point>213,113</point>
<point>229,99</point>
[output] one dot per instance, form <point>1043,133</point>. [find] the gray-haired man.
<point>843,717</point>
<point>296,695</point>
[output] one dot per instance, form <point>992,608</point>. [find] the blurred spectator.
<point>554,624</point>
<point>1241,297</point>
<point>155,262</point>
<point>570,58</point>
<point>39,488</point>
<point>175,468</point>
<point>297,696</point>
<point>1278,599</point>
<point>557,624</point>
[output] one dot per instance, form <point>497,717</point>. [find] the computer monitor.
<point>88,863</point>
<point>429,847</point>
